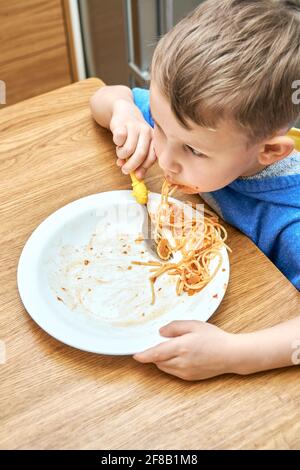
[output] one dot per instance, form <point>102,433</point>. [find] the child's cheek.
<point>158,146</point>
<point>156,138</point>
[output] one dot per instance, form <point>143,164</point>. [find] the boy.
<point>223,96</point>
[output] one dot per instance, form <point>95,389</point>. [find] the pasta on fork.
<point>197,237</point>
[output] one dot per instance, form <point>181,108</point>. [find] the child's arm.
<point>271,348</point>
<point>113,108</point>
<point>105,99</point>
<point>200,350</point>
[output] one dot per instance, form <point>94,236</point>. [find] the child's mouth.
<point>183,188</point>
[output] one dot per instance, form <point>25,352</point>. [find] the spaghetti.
<point>198,238</point>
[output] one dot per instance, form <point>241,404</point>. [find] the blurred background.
<point>46,44</point>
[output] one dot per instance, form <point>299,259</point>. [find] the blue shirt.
<point>265,207</point>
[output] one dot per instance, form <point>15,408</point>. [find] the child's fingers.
<point>179,328</point>
<point>171,366</point>
<point>140,153</point>
<point>174,367</point>
<point>161,352</point>
<point>140,173</point>
<point>150,160</point>
<point>120,162</point>
<point>120,136</point>
<point>129,146</point>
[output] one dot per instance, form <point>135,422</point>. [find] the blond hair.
<point>233,59</point>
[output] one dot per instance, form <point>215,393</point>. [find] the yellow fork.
<point>139,189</point>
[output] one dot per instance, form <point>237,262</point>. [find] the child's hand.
<point>133,138</point>
<point>196,351</point>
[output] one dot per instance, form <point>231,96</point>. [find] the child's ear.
<point>276,149</point>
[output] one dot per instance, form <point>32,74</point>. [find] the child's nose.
<point>167,163</point>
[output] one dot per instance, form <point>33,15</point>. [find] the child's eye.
<point>195,152</point>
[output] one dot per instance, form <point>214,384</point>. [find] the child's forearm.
<point>103,101</point>
<point>271,348</point>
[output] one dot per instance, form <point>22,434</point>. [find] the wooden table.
<point>55,397</point>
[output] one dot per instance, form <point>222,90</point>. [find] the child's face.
<point>201,159</point>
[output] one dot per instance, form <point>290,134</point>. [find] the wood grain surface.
<point>55,397</point>
<point>34,51</point>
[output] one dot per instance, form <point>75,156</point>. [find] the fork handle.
<point>139,188</point>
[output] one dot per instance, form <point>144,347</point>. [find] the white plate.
<point>74,280</point>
